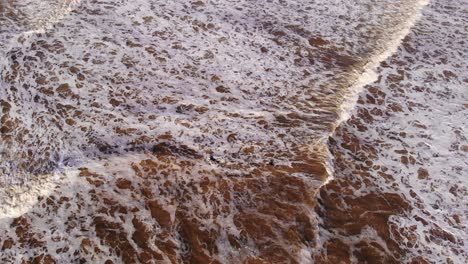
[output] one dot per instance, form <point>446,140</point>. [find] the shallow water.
<point>400,160</point>
<point>198,131</point>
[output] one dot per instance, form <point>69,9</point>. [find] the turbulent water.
<point>286,131</point>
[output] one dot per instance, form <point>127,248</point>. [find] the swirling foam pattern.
<point>184,131</point>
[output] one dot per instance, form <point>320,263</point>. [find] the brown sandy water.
<point>399,192</point>
<point>197,133</point>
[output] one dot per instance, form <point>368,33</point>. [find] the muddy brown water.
<point>203,132</point>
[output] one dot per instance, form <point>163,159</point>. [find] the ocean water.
<point>401,158</point>
<point>233,131</point>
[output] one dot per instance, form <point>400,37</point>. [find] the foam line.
<point>369,75</point>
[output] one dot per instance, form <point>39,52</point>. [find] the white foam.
<point>140,53</point>
<point>368,75</point>
<point>391,45</point>
<point>431,94</point>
